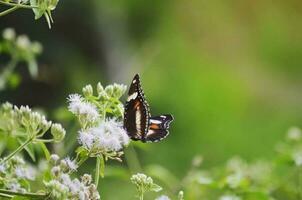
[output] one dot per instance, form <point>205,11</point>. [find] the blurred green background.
<point>229,71</point>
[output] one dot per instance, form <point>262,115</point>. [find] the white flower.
<point>9,34</point>
<point>71,164</point>
<point>229,197</point>
<point>23,42</point>
<point>78,106</point>
<point>162,197</point>
<point>294,134</point>
<point>25,173</point>
<point>2,168</point>
<point>109,136</point>
<point>86,139</point>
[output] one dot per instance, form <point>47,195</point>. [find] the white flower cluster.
<point>23,119</point>
<point>100,114</point>
<point>144,183</point>
<point>107,136</point>
<point>63,187</point>
<point>14,173</point>
<point>86,111</point>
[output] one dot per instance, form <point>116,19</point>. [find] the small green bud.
<point>87,91</point>
<point>181,195</point>
<point>36,47</point>
<point>144,183</point>
<point>99,88</point>
<point>109,90</point>
<point>118,90</point>
<point>53,159</point>
<point>7,107</point>
<point>9,34</point>
<point>58,132</point>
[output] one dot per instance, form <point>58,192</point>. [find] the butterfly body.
<point>137,119</point>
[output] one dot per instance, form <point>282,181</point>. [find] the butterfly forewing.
<point>136,119</point>
<point>158,128</point>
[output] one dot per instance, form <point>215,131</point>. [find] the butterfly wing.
<point>136,117</point>
<point>158,128</point>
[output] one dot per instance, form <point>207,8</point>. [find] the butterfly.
<point>137,118</point>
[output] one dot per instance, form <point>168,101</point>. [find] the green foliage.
<point>19,49</point>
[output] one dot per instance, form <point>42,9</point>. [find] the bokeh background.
<point>229,71</point>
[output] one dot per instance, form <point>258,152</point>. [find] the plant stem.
<point>20,148</point>
<point>17,5</point>
<point>141,195</point>
<point>6,196</point>
<point>8,11</point>
<point>97,171</point>
<point>26,194</point>
<point>44,140</point>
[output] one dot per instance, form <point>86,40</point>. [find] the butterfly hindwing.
<point>136,119</point>
<point>158,128</point>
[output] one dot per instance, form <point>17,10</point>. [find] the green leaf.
<point>155,188</point>
<point>29,149</point>
<point>102,167</point>
<point>45,150</point>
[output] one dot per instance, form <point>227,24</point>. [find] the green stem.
<point>17,5</point>
<point>6,196</point>
<point>141,195</point>
<point>26,194</point>
<point>44,140</point>
<point>20,148</point>
<point>8,11</point>
<point>97,171</point>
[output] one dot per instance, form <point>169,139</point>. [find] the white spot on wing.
<point>163,116</point>
<point>132,96</point>
<point>138,120</point>
<point>134,81</point>
<point>154,121</point>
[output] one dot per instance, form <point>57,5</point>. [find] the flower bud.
<point>56,170</point>
<point>109,90</point>
<point>86,179</point>
<point>58,132</point>
<point>99,88</point>
<point>9,34</point>
<point>23,42</point>
<point>36,47</point>
<point>87,91</point>
<point>53,159</point>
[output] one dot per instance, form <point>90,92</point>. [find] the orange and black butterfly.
<point>137,119</point>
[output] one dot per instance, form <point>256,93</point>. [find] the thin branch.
<point>18,5</point>
<point>8,11</point>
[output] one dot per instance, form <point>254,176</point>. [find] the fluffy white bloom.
<point>108,136</point>
<point>229,197</point>
<point>25,173</point>
<point>78,106</point>
<point>64,186</point>
<point>70,164</point>
<point>162,197</point>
